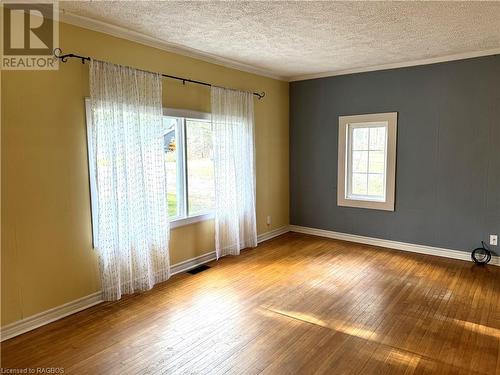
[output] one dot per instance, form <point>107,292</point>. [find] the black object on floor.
<point>481,255</point>
<point>198,269</point>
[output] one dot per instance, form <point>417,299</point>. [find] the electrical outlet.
<point>268,220</point>
<point>494,239</point>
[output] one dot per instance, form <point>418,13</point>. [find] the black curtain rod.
<point>64,58</point>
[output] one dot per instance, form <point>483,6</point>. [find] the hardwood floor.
<point>297,304</point>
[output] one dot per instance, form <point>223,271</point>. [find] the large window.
<point>188,147</point>
<point>189,164</point>
<point>367,161</point>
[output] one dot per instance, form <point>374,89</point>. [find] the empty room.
<point>250,187</point>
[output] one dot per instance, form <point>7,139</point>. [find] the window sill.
<point>191,220</point>
<point>368,204</point>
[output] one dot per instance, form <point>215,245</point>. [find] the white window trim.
<point>181,170</point>
<point>187,113</point>
<point>390,161</point>
<point>176,223</point>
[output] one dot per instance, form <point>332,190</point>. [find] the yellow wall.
<point>47,258</point>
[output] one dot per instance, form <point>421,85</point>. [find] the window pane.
<point>376,185</point>
<point>170,144</point>
<point>360,138</point>
<point>377,138</point>
<point>360,161</point>
<point>377,162</point>
<point>359,185</point>
<point>200,166</point>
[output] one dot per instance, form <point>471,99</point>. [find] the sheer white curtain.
<point>126,152</point>
<point>233,126</point>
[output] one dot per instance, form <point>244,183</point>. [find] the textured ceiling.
<point>291,39</point>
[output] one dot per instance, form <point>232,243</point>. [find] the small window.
<point>367,161</point>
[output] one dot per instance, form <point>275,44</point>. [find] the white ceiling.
<point>292,40</point>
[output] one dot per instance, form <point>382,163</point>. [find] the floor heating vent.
<point>198,269</point>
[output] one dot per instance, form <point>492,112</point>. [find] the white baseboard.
<point>192,263</point>
<point>210,256</point>
<point>414,248</point>
<point>59,312</point>
<point>273,233</point>
<point>49,316</point>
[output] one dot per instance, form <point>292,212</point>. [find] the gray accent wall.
<point>448,152</point>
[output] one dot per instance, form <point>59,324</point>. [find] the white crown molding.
<point>123,33</point>
<point>59,312</point>
<point>404,246</point>
<point>433,60</point>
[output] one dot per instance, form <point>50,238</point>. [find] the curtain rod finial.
<point>58,54</point>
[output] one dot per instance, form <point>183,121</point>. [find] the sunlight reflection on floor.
<point>337,326</point>
<point>478,328</point>
<point>399,357</point>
